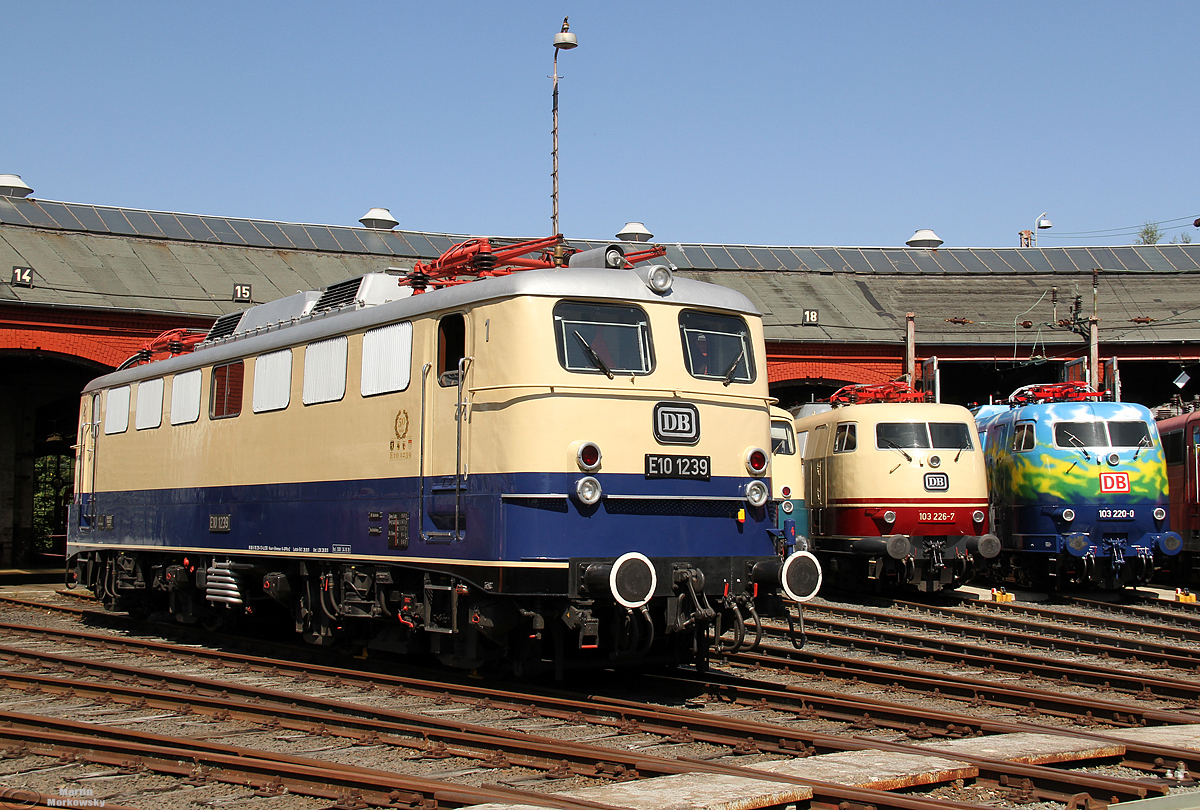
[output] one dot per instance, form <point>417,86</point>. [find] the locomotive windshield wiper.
<point>729,372</point>
<point>1075,441</point>
<point>595,358</point>
<point>965,444</point>
<point>895,446</point>
<point>1142,443</point>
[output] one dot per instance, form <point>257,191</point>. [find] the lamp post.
<point>564,40</point>
<point>1040,224</point>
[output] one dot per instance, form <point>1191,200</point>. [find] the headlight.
<point>1068,515</point>
<point>1160,513</point>
<point>935,461</point>
<point>787,507</point>
<point>1113,459</point>
<point>588,491</point>
<point>756,493</point>
<point>889,516</point>
<point>978,516</point>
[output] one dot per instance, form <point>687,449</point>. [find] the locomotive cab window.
<point>846,440</point>
<point>1023,438</point>
<point>890,435</point>
<point>1173,447</point>
<point>226,398</point>
<point>950,435</point>
<point>1080,434</point>
<point>452,347</point>
<point>716,347</point>
<point>782,442</point>
<point>1133,433</point>
<point>602,339</point>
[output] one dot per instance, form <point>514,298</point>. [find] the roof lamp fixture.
<point>1040,224</point>
<point>12,186</point>
<point>564,40</point>
<point>924,238</point>
<point>634,232</point>
<point>380,219</point>
<point>658,277</point>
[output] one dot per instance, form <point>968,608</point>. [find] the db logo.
<point>676,423</point>
<point>1114,482</point>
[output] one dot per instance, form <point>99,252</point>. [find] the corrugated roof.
<point>88,255</point>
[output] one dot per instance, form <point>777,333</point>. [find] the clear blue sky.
<point>760,123</point>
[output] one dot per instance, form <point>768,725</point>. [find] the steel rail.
<point>730,733</point>
<point>1053,621</point>
<point>904,645</point>
<point>182,756</point>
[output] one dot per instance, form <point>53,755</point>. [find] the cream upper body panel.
<point>878,469</point>
<point>523,409</point>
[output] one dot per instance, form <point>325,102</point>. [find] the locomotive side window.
<point>1023,439</point>
<point>889,435</point>
<point>149,404</point>
<point>602,339</point>
<point>325,371</point>
<point>950,435</point>
<point>272,381</point>
<point>226,398</point>
<point>1080,434</point>
<point>1129,434</point>
<point>185,397</point>
<point>782,442</point>
<point>716,347</point>
<point>116,410</point>
<point>386,359</point>
<point>1173,447</point>
<point>452,347</point>
<point>846,440</point>
<point>801,442</point>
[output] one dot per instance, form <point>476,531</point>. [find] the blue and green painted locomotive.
<point>1078,488</point>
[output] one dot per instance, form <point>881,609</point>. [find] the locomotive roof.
<point>1063,411</point>
<point>872,412</point>
<point>121,258</point>
<point>610,286</point>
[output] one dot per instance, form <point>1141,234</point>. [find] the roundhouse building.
<point>85,287</point>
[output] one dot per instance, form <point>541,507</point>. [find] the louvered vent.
<point>225,326</point>
<point>338,295</point>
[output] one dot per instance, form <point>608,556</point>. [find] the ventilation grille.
<point>338,295</point>
<point>225,326</point>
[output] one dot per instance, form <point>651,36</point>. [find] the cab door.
<point>1191,531</point>
<point>447,432</point>
<point>85,463</point>
<point>816,463</point>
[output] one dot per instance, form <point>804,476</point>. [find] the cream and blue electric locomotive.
<point>562,463</point>
<point>1078,488</point>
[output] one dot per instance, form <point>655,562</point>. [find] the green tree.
<point>1150,234</point>
<point>1184,238</point>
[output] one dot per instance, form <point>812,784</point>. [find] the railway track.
<point>423,737</point>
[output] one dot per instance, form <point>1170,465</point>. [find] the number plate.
<point>1115,514</point>
<point>695,468</point>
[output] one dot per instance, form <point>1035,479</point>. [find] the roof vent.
<point>12,186</point>
<point>225,326</point>
<point>364,291</point>
<point>924,238</point>
<point>634,232</point>
<point>380,219</point>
